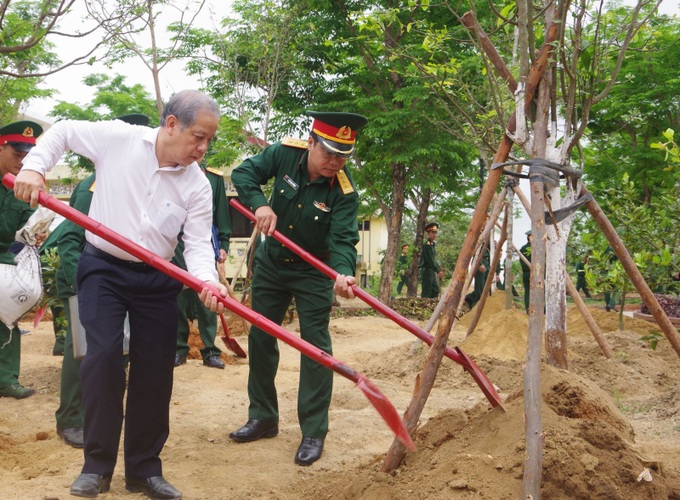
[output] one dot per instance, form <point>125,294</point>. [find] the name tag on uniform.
<point>291,182</point>
<point>322,206</point>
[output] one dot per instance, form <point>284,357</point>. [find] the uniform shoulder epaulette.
<point>294,143</point>
<point>345,184</point>
<point>213,170</point>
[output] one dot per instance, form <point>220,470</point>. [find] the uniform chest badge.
<point>290,182</point>
<point>322,206</point>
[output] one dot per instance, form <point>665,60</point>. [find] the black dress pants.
<point>109,288</point>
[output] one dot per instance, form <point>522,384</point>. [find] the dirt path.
<point>605,421</point>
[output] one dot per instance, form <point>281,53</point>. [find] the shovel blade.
<point>231,343</point>
<point>386,410</point>
<point>482,380</point>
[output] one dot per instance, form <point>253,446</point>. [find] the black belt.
<point>129,264</point>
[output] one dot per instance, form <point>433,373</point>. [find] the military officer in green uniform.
<point>480,278</point>
<point>315,204</point>
<point>428,264</point>
<point>16,140</point>
<point>402,269</point>
<point>526,269</point>
<point>189,305</point>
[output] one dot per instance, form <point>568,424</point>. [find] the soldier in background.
<point>16,140</point>
<point>430,270</point>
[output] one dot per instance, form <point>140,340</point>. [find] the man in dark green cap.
<point>315,204</point>
<point>526,269</point>
<point>16,140</point>
<point>428,263</point>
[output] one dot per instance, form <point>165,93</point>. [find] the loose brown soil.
<point>605,422</point>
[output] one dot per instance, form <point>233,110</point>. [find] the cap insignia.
<point>28,132</point>
<point>344,133</point>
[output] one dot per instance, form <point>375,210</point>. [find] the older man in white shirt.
<point>149,186</point>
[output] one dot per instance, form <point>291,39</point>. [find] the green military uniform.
<point>321,217</point>
<point>581,283</point>
<point>16,139</point>
<point>430,269</point>
<point>402,270</point>
<point>611,296</point>
<point>15,214</point>
<point>480,279</point>
<point>189,305</point>
<point>526,271</point>
<point>71,240</point>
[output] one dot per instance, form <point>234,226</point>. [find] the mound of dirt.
<point>588,453</point>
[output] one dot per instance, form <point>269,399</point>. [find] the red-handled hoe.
<point>456,355</point>
<point>377,398</point>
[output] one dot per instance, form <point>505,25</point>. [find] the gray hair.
<point>185,104</point>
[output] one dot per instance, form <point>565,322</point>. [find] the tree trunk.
<point>423,207</point>
<point>555,286</point>
<point>393,232</point>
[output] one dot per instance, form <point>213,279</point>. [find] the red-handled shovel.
<point>230,342</point>
<point>377,398</point>
<point>456,355</point>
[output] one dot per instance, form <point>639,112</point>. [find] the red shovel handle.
<point>456,355</point>
<point>379,401</point>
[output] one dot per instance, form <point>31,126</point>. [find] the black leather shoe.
<point>90,485</point>
<point>153,487</point>
<point>16,391</point>
<point>72,436</point>
<point>254,430</point>
<point>214,362</point>
<point>180,360</point>
<point>309,451</point>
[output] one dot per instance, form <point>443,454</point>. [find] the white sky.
<point>69,82</point>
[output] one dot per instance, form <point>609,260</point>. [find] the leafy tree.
<point>650,233</point>
<point>638,110</point>
<point>112,98</point>
<point>28,24</point>
<point>16,87</point>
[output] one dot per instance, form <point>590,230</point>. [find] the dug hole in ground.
<point>612,427</point>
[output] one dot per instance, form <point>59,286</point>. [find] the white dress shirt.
<point>135,197</point>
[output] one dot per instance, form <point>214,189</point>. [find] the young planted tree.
<point>125,41</point>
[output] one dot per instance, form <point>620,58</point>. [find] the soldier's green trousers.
<point>70,413</point>
<point>274,284</point>
<point>10,355</point>
<point>190,307</point>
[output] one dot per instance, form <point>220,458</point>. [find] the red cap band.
<point>17,138</point>
<point>343,135</point>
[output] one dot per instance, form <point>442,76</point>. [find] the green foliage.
<point>637,113</point>
<point>652,339</point>
<point>670,150</point>
<point>112,98</point>
<point>650,233</point>
<point>50,264</point>
<point>17,27</point>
